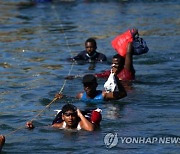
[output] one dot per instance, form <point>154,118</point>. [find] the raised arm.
<point>129,54</point>
<point>129,58</point>
<point>84,123</point>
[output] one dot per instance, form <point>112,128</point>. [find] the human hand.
<point>114,70</point>
<point>78,112</point>
<point>59,96</point>
<point>70,77</point>
<point>29,125</point>
<point>135,32</point>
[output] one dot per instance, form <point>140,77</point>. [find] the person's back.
<point>90,53</point>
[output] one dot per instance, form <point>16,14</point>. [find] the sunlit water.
<point>35,42</point>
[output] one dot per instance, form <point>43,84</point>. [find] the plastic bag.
<point>120,42</point>
<point>140,46</point>
<point>110,85</point>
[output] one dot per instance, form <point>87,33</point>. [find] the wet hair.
<point>68,107</point>
<point>120,58</point>
<point>89,78</point>
<point>92,41</point>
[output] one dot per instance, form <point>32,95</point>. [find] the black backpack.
<point>140,46</point>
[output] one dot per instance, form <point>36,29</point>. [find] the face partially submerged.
<point>71,119</point>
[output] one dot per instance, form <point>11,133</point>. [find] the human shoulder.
<point>82,52</point>
<point>79,95</point>
<point>126,74</point>
<point>101,56</point>
<point>81,55</point>
<point>58,125</point>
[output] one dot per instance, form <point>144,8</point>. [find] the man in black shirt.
<point>90,54</point>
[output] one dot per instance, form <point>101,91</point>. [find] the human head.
<point>90,84</point>
<point>118,61</point>
<point>69,115</point>
<point>90,45</point>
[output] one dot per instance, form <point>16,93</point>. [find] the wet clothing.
<point>123,75</point>
<point>93,115</point>
<point>64,126</point>
<point>99,96</point>
<point>83,55</point>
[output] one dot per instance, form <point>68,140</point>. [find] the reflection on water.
<point>37,39</point>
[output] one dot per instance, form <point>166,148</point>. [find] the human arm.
<point>101,57</point>
<point>79,95</point>
<point>71,77</point>
<point>57,125</point>
<point>61,95</point>
<point>129,58</point>
<point>30,125</point>
<point>84,123</point>
<point>80,56</point>
<point>115,95</point>
<point>104,58</point>
<point>129,54</point>
<point>104,74</point>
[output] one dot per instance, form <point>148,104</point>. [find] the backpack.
<point>140,46</point>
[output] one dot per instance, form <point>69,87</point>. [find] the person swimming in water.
<point>123,61</point>
<point>90,53</point>
<point>73,119</point>
<point>123,67</point>
<point>90,90</point>
<point>91,93</point>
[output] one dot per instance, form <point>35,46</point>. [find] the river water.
<point>35,42</point>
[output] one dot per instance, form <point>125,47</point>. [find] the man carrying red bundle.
<point>126,45</point>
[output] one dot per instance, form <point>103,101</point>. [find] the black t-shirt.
<point>95,57</point>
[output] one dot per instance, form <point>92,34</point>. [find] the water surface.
<point>35,42</point>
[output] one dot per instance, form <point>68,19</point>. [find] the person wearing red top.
<point>123,63</point>
<point>124,67</point>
